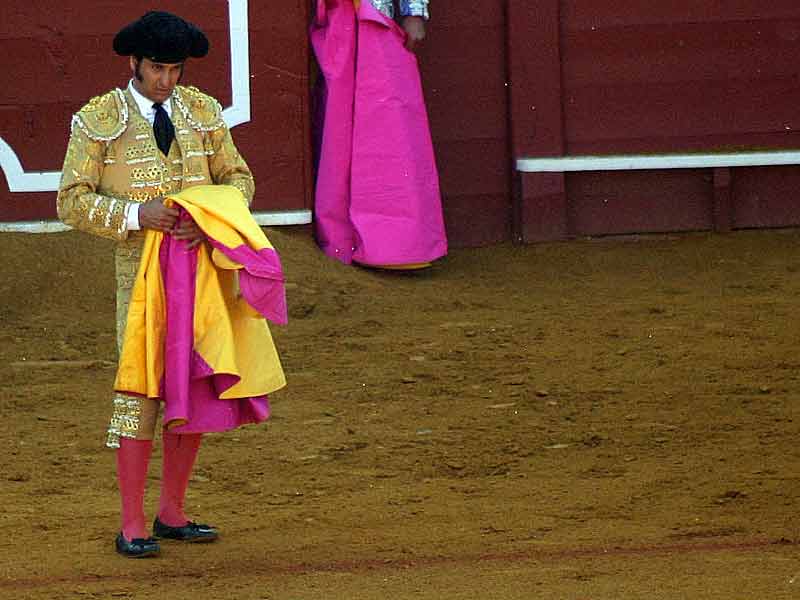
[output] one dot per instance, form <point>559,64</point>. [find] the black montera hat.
<point>162,37</point>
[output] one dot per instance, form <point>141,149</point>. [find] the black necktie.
<point>163,129</point>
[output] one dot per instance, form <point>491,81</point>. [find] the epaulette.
<point>201,111</point>
<point>104,118</point>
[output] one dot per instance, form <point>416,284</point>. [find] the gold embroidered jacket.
<point>113,163</point>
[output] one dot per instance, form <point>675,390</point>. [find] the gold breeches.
<point>132,416</point>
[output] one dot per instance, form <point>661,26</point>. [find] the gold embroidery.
<point>140,195</point>
<point>202,112</point>
<point>78,203</point>
<point>125,419</point>
<point>127,410</point>
<point>227,165</point>
<point>112,165</point>
<point>103,118</point>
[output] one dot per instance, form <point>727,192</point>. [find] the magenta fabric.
<point>190,389</point>
<point>260,280</point>
<point>377,192</point>
<point>180,452</point>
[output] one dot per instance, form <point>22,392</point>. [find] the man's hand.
<point>188,230</point>
<point>154,215</point>
<point>415,30</point>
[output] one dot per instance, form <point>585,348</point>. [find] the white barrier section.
<point>631,162</point>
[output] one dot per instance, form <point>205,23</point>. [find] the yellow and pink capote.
<point>196,334</point>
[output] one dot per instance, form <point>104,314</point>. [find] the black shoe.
<point>137,547</point>
<point>191,532</point>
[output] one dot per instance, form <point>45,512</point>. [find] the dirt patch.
<point>593,419</point>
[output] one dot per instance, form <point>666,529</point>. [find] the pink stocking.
<point>180,452</point>
<point>133,458</point>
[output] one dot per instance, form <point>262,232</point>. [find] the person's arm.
<point>78,203</point>
<point>413,14</point>
<point>80,206</point>
<point>227,166</point>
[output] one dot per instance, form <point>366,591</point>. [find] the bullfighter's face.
<point>155,80</point>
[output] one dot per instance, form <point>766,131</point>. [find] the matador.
<point>128,151</point>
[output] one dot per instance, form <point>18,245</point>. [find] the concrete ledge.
<point>656,161</point>
<point>287,217</point>
<point>33,227</point>
<point>265,219</point>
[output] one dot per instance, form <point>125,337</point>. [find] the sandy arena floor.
<point>599,419</point>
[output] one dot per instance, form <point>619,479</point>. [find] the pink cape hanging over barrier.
<point>377,192</point>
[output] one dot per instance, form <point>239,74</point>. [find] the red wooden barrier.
<point>503,80</point>
<point>643,78</point>
<point>463,64</point>
<point>62,56</point>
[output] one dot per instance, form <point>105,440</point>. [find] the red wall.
<point>676,76</point>
<point>58,56</point>
<point>503,80</point>
<point>637,77</point>
<point>464,70</point>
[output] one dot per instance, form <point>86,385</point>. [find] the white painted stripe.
<point>34,227</point>
<point>288,217</point>
<point>239,28</point>
<point>265,219</point>
<point>657,161</point>
<point>19,180</point>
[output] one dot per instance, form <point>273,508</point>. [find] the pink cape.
<point>377,192</point>
<point>191,389</point>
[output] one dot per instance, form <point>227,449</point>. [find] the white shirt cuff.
<point>133,217</point>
